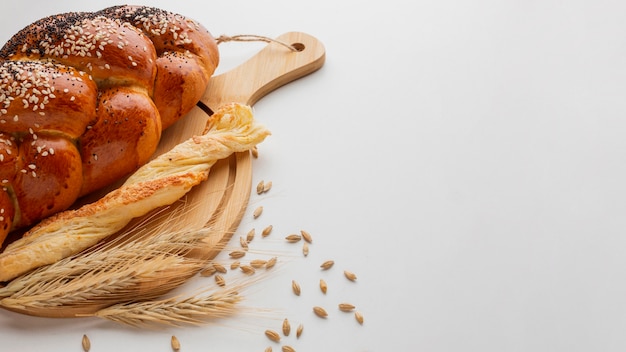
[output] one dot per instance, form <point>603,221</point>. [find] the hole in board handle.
<point>298,46</point>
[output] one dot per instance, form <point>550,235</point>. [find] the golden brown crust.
<point>45,97</point>
<point>187,56</point>
<point>46,182</point>
<point>45,107</point>
<point>125,136</point>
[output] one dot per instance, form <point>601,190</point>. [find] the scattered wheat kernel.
<point>307,236</point>
<point>359,317</point>
<point>267,186</point>
<point>257,212</point>
<point>208,271</point>
<point>270,263</point>
<point>234,265</point>
<point>320,312</point>
<point>346,307</point>
<point>259,187</point>
<point>247,269</point>
<point>293,238</point>
<point>250,235</point>
<point>86,343</point>
<point>219,279</point>
<point>175,343</point>
<point>243,242</point>
<point>295,287</point>
<point>237,254</point>
<point>327,264</point>
<point>323,286</point>
<point>305,249</point>
<point>288,349</point>
<point>219,268</point>
<point>299,330</point>
<point>255,151</point>
<point>272,335</point>
<point>268,349</point>
<point>286,327</point>
<point>349,275</point>
<point>258,263</point>
<point>267,231</point>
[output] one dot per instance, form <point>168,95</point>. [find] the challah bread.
<point>84,98</point>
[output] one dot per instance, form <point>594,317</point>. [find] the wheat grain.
<point>293,238</point>
<point>271,262</point>
<point>346,307</point>
<point>258,263</point>
<point>320,312</point>
<point>219,279</point>
<point>255,152</point>
<point>247,269</point>
<point>237,254</point>
<point>287,348</point>
<point>349,275</point>
<point>299,330</point>
<point>86,343</point>
<point>175,343</point>
<point>257,212</point>
<point>268,349</point>
<point>286,327</point>
<point>243,242</point>
<point>359,317</point>
<point>307,236</point>
<point>266,231</point>
<point>219,268</point>
<point>234,265</point>
<point>295,287</point>
<point>259,187</point>
<point>250,235</point>
<point>323,286</point>
<point>272,335</point>
<point>267,187</point>
<point>327,264</point>
<point>209,271</point>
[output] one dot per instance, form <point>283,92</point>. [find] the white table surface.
<point>466,159</point>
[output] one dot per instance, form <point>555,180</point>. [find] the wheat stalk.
<point>126,274</point>
<point>119,271</point>
<point>174,311</point>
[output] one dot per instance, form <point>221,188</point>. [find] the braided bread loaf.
<point>84,98</point>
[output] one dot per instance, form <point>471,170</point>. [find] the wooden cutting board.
<point>221,201</point>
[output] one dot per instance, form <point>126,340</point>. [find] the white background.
<point>466,159</point>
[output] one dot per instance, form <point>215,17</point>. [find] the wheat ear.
<point>174,311</point>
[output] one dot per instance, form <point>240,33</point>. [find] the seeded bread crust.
<point>84,97</point>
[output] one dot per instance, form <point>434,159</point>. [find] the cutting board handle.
<point>272,67</point>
